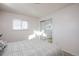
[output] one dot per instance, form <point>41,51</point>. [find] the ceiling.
<point>37,10</point>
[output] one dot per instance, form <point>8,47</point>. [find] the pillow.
<point>3,44</point>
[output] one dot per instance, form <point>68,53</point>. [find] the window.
<point>19,25</point>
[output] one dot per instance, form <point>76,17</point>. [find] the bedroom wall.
<point>11,35</point>
<point>66,29</point>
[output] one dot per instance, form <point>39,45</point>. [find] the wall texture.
<point>11,35</point>
<point>66,29</point>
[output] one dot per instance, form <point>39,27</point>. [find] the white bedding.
<point>31,48</point>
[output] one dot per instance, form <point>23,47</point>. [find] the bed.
<point>31,48</point>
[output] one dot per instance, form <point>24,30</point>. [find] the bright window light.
<point>31,36</point>
<point>37,33</point>
<point>19,25</point>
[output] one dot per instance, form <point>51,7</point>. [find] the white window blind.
<point>20,25</point>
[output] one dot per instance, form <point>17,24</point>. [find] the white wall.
<point>66,29</point>
<point>11,35</point>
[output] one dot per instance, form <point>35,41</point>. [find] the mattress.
<point>32,48</point>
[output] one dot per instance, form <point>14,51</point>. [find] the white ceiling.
<point>33,9</point>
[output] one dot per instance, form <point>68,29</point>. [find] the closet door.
<point>46,26</point>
